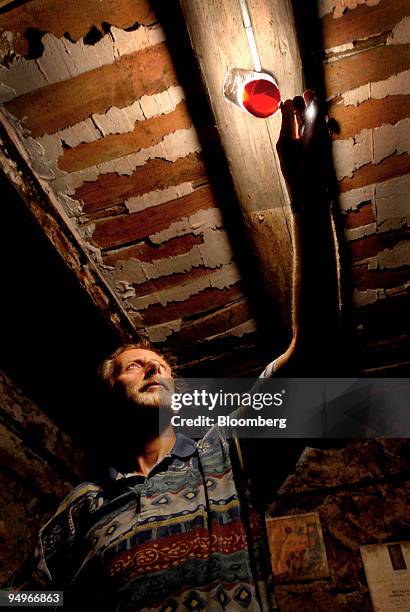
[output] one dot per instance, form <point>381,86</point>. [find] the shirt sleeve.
<point>53,561</point>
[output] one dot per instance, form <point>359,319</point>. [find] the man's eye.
<point>133,365</point>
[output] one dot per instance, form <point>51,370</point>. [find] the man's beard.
<point>147,410</point>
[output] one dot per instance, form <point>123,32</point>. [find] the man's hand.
<point>304,149</point>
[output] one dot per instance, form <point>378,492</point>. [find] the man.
<point>175,527</point>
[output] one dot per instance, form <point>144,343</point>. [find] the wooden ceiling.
<point>166,202</point>
<point>115,121</point>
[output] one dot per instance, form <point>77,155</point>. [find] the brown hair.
<point>109,368</point>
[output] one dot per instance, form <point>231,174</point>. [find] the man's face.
<point>141,375</point>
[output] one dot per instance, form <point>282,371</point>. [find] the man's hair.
<point>109,367</point>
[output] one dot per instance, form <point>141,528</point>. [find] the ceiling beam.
<point>219,42</point>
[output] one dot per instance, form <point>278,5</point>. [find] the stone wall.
<point>39,464</point>
<point>361,494</point>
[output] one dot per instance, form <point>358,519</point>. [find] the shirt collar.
<point>183,448</point>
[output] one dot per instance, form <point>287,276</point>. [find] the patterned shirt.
<point>187,537</point>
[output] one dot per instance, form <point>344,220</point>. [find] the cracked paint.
<point>397,84</point>
<point>370,146</point>
<point>221,279</point>
<point>396,257</point>
<point>390,200</point>
<point>159,196</point>
<point>338,7</point>
<point>172,147</point>
<point>214,252</point>
<point>63,59</point>
<point>114,121</point>
<point>401,33</point>
<point>195,224</point>
<point>355,233</point>
<point>159,333</point>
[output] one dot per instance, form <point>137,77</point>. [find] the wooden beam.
<point>219,41</point>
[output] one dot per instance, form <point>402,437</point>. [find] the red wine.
<point>261,98</point>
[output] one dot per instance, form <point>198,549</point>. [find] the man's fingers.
<point>309,96</point>
<point>288,130</point>
<point>299,106</point>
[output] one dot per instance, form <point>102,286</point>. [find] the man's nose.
<point>151,369</point>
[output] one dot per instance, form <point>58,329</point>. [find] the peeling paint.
<point>390,139</point>
<point>398,84</point>
<point>355,233</point>
<point>221,279</point>
<point>401,33</point>
<point>71,206</point>
<point>370,146</point>
<point>350,200</point>
<point>338,7</point>
<point>214,252</point>
<point>122,120</point>
<point>63,59</point>
<point>351,154</point>
<point>370,296</point>
<point>247,327</point>
<point>195,224</point>
<point>393,202</point>
<point>172,147</point>
<point>398,256</point>
<point>114,121</point>
<point>159,333</point>
<point>159,196</point>
<point>390,200</point>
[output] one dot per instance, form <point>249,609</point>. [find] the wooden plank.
<point>147,252</point>
<point>390,168</point>
<point>171,281</point>
<point>211,325</point>
<point>372,65</point>
<point>362,22</point>
<point>110,189</point>
<point>145,134</point>
<point>362,215</point>
<point>204,301</point>
<point>75,18</point>
<point>60,105</point>
<point>369,114</point>
<point>363,278</point>
<point>128,228</point>
<point>369,246</point>
<point>219,41</point>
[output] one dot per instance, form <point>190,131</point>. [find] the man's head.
<point>137,372</point>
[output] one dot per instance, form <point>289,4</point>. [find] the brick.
<point>127,228</point>
<point>363,22</point>
<point>60,105</point>
<point>147,252</point>
<point>75,18</point>
<point>146,134</point>
<point>204,301</point>
<point>110,189</point>
<point>390,168</point>
<point>372,65</point>
<point>369,114</point>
